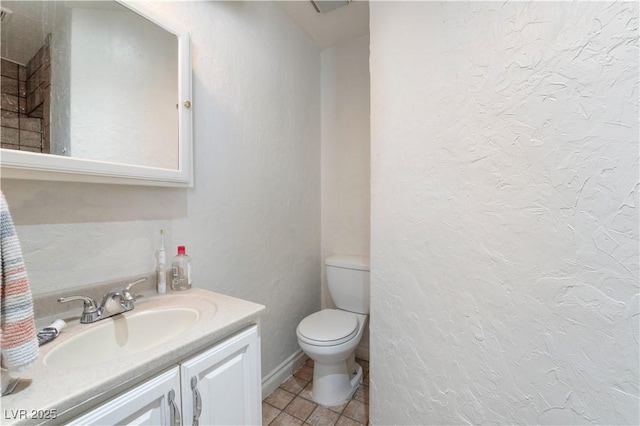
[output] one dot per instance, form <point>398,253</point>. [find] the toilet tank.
<point>348,282</point>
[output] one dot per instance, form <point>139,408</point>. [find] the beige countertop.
<point>72,391</point>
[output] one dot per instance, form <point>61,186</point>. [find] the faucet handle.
<point>126,292</point>
<point>138,281</point>
<point>89,303</point>
<point>90,312</point>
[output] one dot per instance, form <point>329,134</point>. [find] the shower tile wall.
<point>26,100</point>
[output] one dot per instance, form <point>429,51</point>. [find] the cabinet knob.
<point>187,104</point>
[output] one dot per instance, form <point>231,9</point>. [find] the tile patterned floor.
<point>291,403</point>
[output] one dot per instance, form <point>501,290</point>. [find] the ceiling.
<point>20,41</point>
<point>334,27</point>
<point>23,34</point>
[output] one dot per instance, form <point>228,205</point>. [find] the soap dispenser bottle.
<point>181,271</point>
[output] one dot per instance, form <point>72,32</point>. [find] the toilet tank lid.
<point>348,261</point>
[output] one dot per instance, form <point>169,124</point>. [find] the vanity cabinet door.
<point>221,386</point>
<point>155,402</point>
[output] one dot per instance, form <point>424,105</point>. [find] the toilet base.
<point>334,384</point>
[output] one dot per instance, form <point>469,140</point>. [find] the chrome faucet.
<point>115,301</point>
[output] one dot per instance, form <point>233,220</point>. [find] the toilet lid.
<point>328,327</point>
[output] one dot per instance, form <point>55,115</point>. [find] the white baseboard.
<point>271,381</point>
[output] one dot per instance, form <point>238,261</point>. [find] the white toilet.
<point>330,337</point>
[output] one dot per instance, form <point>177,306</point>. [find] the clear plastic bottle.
<point>181,271</point>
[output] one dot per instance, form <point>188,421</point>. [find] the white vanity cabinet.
<point>220,386</point>
<point>155,402</point>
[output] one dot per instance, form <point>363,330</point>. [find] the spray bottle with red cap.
<point>181,271</point>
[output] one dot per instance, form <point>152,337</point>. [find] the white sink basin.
<point>121,335</point>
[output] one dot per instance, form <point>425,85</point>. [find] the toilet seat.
<point>328,327</point>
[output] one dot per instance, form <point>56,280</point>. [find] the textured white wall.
<point>124,89</point>
<point>60,78</point>
<point>504,213</point>
<point>252,221</point>
<point>345,154</point>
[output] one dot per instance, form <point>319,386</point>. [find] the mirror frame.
<point>36,166</point>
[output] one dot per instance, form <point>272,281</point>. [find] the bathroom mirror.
<point>94,91</point>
